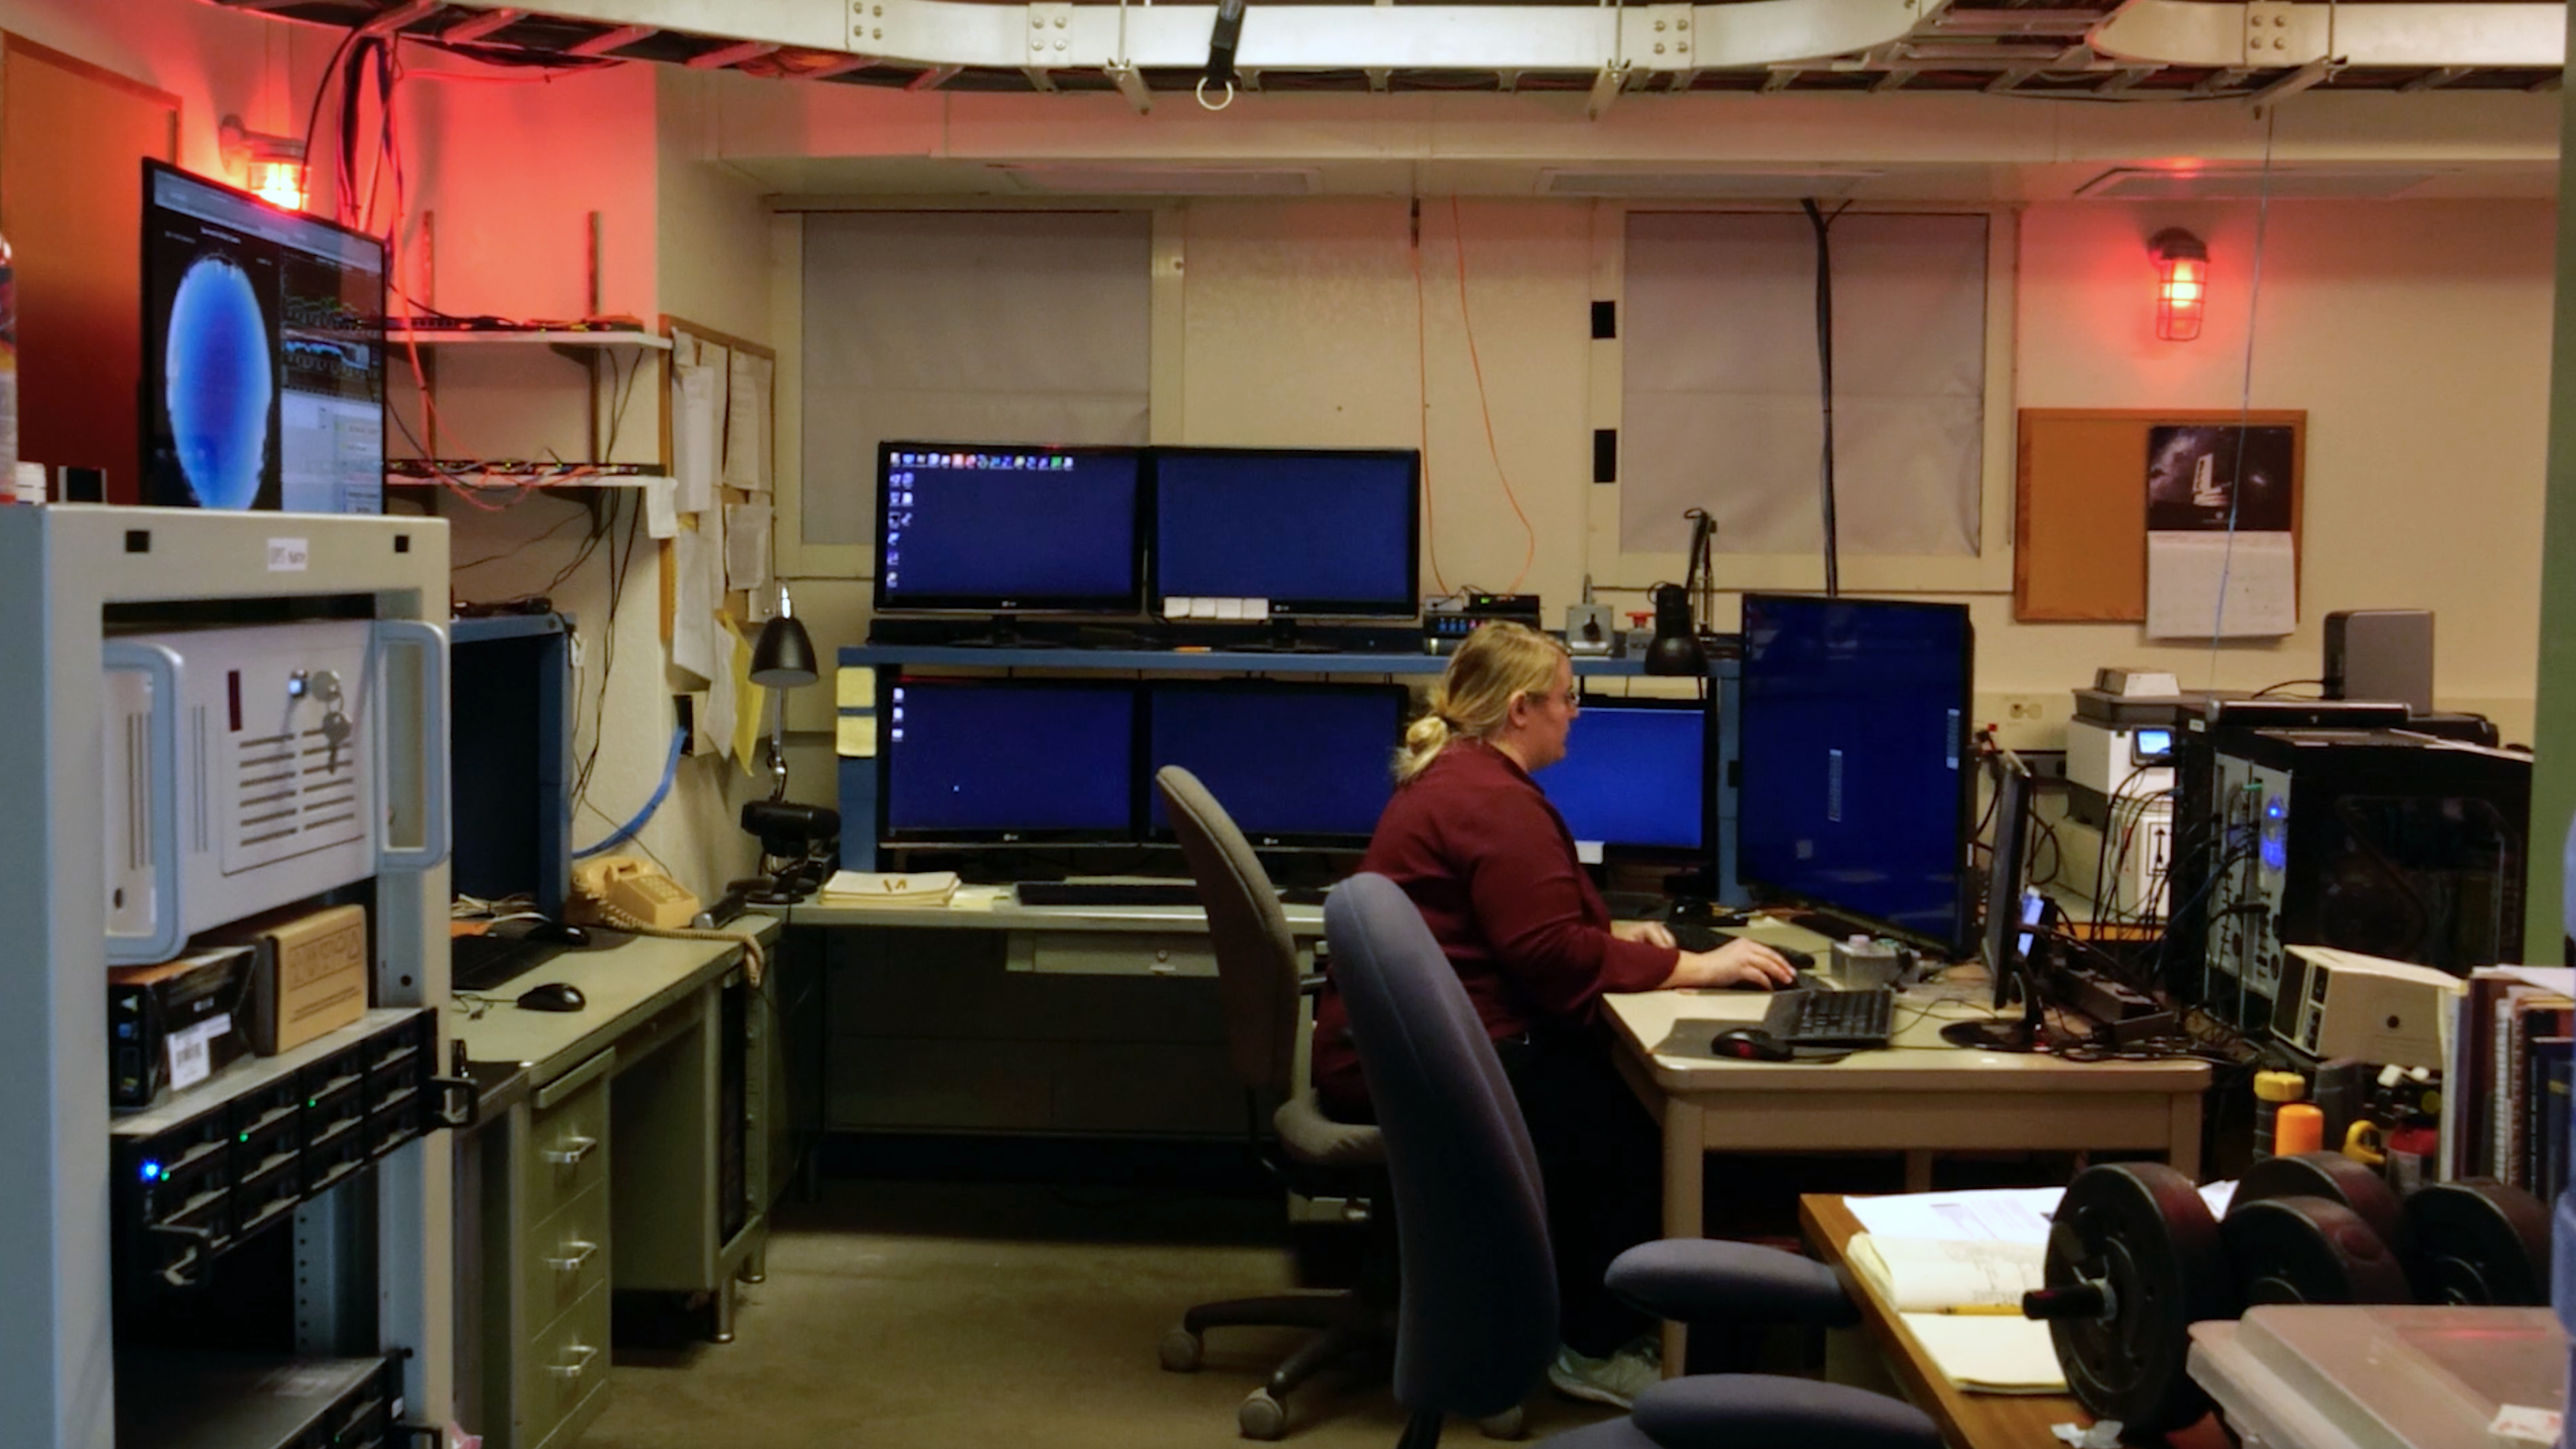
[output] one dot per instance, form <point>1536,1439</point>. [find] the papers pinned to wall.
<point>661,507</point>
<point>2205,585</point>
<point>747,547</point>
<point>697,428</point>
<point>694,600</point>
<point>746,453</point>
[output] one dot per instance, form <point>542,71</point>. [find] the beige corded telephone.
<point>625,891</point>
<point>634,895</point>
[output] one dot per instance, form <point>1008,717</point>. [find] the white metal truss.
<point>2125,48</point>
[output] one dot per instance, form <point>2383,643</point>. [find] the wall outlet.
<point>2024,706</point>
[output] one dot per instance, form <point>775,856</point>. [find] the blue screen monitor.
<point>263,353</point>
<point>1855,797</point>
<point>1634,781</point>
<point>1294,765</point>
<point>1311,533</point>
<point>999,529</point>
<point>1005,762</point>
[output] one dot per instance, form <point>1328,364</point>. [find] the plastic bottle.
<point>8,371</point>
<point>2300,1128</point>
<point>2271,1090</point>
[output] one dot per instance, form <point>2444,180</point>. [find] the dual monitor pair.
<point>1852,768</point>
<point>1003,530</point>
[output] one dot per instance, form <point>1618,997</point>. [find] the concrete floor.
<point>906,1315</point>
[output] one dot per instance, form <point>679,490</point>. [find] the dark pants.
<point>1601,1161</point>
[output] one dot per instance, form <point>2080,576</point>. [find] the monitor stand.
<point>1004,634</point>
<point>1284,638</point>
<point>2028,1034</point>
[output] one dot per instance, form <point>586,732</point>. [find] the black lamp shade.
<point>1675,649</point>
<point>783,656</point>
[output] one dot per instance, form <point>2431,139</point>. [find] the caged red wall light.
<point>2182,283</point>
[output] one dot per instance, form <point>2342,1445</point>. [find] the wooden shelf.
<point>525,336</point>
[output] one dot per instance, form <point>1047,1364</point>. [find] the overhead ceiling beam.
<point>1605,89</point>
<point>933,78</point>
<point>2401,35</point>
<point>475,27</point>
<point>1778,80</point>
<point>1130,84</point>
<point>2307,77</point>
<point>2434,79</point>
<point>731,55</point>
<point>618,39</point>
<point>390,21</point>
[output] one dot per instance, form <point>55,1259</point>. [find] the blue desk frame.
<point>859,773</point>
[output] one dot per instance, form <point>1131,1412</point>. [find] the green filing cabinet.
<point>546,1275</point>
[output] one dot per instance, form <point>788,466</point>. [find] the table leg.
<point>1918,1171</point>
<point>1683,1150</point>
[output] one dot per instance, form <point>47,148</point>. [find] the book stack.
<point>911,890</point>
<point>2506,1112</point>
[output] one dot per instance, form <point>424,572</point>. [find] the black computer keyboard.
<point>1832,1018</point>
<point>1692,936</point>
<point>488,963</point>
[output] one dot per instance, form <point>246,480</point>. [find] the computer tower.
<point>2384,654</point>
<point>2381,841</point>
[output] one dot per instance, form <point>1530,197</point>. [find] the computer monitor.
<point>1005,762</point>
<point>995,528</point>
<point>1309,533</point>
<point>1634,781</point>
<point>510,786</point>
<point>2011,920</point>
<point>1854,795</point>
<point>1294,765</point>
<point>263,353</point>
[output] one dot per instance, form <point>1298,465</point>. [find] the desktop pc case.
<point>2379,841</point>
<point>227,793</point>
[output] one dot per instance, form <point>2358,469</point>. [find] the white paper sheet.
<point>746,456</point>
<point>661,512</point>
<point>747,547</point>
<point>693,611</point>
<point>2183,579</point>
<point>2003,1214</point>
<point>716,709</point>
<point>697,432</point>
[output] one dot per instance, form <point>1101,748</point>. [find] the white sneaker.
<point>1616,1380</point>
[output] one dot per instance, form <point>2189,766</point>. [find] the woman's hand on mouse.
<point>1653,933</point>
<point>1737,963</point>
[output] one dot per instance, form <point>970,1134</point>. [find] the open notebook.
<point>1937,1287</point>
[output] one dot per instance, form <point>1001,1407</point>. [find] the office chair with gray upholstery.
<point>1477,1322</point>
<point>1256,964</point>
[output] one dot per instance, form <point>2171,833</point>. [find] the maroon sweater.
<point>1488,862</point>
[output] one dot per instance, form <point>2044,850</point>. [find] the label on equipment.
<point>288,555</point>
<point>190,1061</point>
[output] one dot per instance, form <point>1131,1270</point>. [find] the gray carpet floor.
<point>936,1316</point>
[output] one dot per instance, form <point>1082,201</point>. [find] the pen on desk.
<point>1983,1310</point>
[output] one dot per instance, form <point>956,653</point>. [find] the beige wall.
<point>217,62</point>
<point>2415,334</point>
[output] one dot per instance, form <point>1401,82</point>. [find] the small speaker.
<point>1591,629</point>
<point>2381,654</point>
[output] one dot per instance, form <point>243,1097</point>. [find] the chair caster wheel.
<point>1182,1351</point>
<point>1262,1417</point>
<point>1511,1423</point>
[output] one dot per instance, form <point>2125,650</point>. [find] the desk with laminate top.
<point>1921,1096</point>
<point>625,1152</point>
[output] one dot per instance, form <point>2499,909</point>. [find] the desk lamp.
<point>1676,647</point>
<point>782,658</point>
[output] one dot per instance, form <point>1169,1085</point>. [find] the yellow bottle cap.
<point>2280,1086</point>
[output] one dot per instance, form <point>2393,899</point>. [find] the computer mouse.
<point>562,933</point>
<point>552,996</point>
<point>1749,1043</point>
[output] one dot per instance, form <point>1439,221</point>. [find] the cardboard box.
<point>174,1024</point>
<point>308,976</point>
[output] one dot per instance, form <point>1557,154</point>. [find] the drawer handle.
<point>573,1150</point>
<point>582,1253</point>
<point>580,1355</point>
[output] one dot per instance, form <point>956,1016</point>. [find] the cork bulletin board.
<point>2080,506</point>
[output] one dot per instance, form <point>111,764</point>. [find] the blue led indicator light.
<point>151,1172</point>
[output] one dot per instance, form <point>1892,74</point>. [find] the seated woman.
<point>1471,838</point>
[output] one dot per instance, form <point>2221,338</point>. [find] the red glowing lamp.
<point>2182,283</point>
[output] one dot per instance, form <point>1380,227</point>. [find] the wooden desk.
<point>1968,1421</point>
<point>1920,1097</point>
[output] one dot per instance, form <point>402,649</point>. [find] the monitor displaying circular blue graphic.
<point>219,380</point>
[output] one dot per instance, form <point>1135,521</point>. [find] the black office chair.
<point>1477,1323</point>
<point>1256,964</point>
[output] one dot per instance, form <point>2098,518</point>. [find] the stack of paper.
<point>874,888</point>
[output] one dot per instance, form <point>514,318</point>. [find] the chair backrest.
<point>1256,960</point>
<point>1476,1326</point>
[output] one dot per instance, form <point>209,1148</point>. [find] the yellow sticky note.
<point>855,687</point>
<point>858,736</point>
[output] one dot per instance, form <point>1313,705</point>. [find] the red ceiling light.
<point>2182,283</point>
